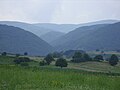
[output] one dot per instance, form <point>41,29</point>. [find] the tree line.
<point>83,57</point>
<point>77,58</point>
<point>62,62</point>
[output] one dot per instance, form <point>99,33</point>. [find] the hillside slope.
<point>51,36</point>
<point>28,27</point>
<point>17,40</point>
<point>106,37</point>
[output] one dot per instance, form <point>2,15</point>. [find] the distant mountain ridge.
<point>65,28</point>
<point>28,27</point>
<point>44,33</point>
<point>16,40</point>
<point>42,29</point>
<point>75,37</point>
<point>70,27</point>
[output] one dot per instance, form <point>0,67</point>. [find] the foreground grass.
<point>19,78</point>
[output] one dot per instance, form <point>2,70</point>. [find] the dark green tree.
<point>21,59</point>
<point>61,62</point>
<point>57,54</point>
<point>25,53</point>
<point>98,58</point>
<point>86,57</point>
<point>4,54</point>
<point>49,58</point>
<point>113,60</point>
<point>77,57</point>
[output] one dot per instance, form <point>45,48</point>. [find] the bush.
<point>4,54</point>
<point>77,57</point>
<point>87,57</point>
<point>113,60</point>
<point>25,53</point>
<point>61,62</point>
<point>98,58</point>
<point>80,57</point>
<point>56,54</point>
<point>49,58</point>
<point>21,59</point>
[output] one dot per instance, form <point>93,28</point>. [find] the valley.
<point>86,58</point>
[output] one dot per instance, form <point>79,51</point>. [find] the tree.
<point>98,57</point>
<point>25,53</point>
<point>61,62</point>
<point>49,59</point>
<point>4,54</point>
<point>86,57</point>
<point>21,59</point>
<point>77,57</point>
<point>113,60</point>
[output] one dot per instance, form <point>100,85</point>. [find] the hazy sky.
<point>59,11</point>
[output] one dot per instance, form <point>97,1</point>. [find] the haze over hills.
<point>65,28</point>
<point>101,36</point>
<point>26,26</point>
<point>41,29</point>
<point>83,37</point>
<point>16,40</point>
<point>44,33</point>
<point>70,27</point>
<point>51,36</point>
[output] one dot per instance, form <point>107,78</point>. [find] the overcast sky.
<point>59,11</point>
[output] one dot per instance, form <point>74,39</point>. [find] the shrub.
<point>49,58</point>
<point>113,60</point>
<point>80,57</point>
<point>98,58</point>
<point>87,57</point>
<point>22,59</point>
<point>4,54</point>
<point>25,53</point>
<point>77,57</point>
<point>61,62</point>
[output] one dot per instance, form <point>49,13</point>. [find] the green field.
<point>19,78</point>
<point>81,76</point>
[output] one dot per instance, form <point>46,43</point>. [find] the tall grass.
<point>18,78</point>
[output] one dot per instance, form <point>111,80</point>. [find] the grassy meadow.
<point>19,78</point>
<point>77,76</point>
